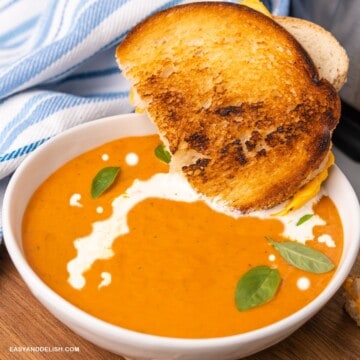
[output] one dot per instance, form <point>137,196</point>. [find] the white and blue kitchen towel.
<point>58,70</point>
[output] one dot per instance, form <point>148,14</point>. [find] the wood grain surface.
<point>24,322</point>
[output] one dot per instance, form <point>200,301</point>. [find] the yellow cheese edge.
<point>132,101</point>
<point>256,5</point>
<point>308,191</point>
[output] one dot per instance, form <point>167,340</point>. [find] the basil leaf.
<point>103,180</point>
<point>303,257</point>
<point>304,218</point>
<point>162,154</point>
<point>256,287</point>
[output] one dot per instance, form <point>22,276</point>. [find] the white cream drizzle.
<point>327,239</point>
<point>75,200</point>
<point>272,257</point>
<point>303,232</point>
<point>106,279</point>
<point>98,244</point>
<point>132,159</point>
<point>171,186</point>
<point>303,283</point>
<point>292,231</point>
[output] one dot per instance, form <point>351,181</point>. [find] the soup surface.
<point>168,264</point>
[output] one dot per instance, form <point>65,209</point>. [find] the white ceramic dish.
<point>62,148</point>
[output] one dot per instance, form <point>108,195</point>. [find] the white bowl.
<point>71,143</point>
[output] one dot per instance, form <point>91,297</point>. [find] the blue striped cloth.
<point>57,68</point>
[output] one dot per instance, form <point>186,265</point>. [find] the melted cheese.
<point>132,96</point>
<point>308,191</point>
<point>256,5</point>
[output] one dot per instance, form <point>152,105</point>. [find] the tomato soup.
<point>148,254</point>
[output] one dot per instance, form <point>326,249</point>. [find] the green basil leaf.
<point>303,257</point>
<point>256,287</point>
<point>162,154</point>
<point>304,218</point>
<point>103,180</point>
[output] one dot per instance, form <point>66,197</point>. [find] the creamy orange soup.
<point>175,271</point>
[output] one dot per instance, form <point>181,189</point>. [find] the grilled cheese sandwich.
<point>236,99</point>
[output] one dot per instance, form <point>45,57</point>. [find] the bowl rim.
<point>68,310</point>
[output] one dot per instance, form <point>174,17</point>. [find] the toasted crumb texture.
<point>235,97</point>
<point>352,297</point>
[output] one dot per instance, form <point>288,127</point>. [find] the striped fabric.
<point>57,68</point>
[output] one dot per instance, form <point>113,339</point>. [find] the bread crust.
<point>237,99</point>
<point>330,58</point>
<point>351,294</point>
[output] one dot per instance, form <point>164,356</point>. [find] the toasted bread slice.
<point>351,288</point>
<point>328,55</point>
<point>235,97</point>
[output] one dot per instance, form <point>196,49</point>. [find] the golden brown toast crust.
<point>232,88</point>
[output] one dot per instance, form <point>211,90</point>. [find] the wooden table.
<point>330,335</point>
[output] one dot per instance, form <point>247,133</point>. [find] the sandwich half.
<point>236,99</point>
